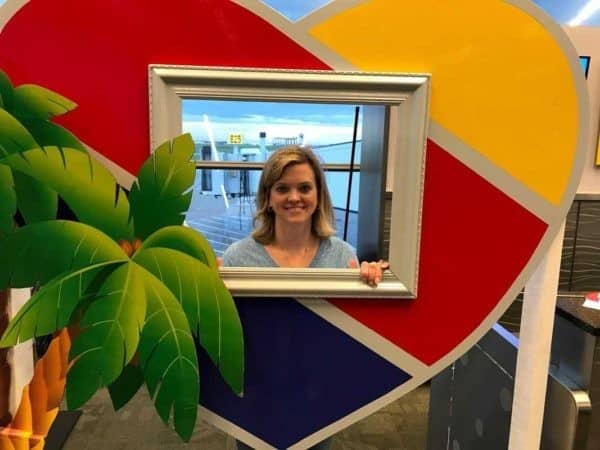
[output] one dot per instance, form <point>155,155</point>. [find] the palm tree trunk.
<point>5,373</point>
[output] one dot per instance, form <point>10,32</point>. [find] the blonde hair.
<point>264,219</point>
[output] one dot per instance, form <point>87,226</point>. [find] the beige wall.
<point>587,42</point>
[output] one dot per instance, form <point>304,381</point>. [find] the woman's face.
<point>294,196</point>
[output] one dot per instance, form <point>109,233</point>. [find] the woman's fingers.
<point>219,262</point>
<point>364,271</point>
<point>376,268</point>
<point>368,272</point>
<point>353,264</point>
<point>372,272</point>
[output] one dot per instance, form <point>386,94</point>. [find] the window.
<point>391,129</point>
<point>247,132</point>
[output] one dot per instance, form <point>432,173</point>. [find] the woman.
<point>294,225</point>
<point>294,220</point>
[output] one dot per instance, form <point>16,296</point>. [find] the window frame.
<point>405,94</point>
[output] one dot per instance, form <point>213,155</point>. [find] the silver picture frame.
<point>406,96</point>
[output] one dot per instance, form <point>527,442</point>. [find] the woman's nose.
<point>293,195</point>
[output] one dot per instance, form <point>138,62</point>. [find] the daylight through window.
<point>223,202</point>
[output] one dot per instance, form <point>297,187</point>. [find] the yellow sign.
<point>235,138</point>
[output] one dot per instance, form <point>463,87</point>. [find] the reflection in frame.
<point>404,100</point>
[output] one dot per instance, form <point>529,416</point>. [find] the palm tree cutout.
<point>138,284</point>
<point>25,113</point>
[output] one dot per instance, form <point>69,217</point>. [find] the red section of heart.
<point>97,54</point>
<point>475,241</point>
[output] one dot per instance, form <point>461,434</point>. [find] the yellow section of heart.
<point>500,81</point>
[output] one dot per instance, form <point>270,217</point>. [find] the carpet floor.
<point>402,425</point>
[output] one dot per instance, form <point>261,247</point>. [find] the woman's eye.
<point>305,189</point>
<point>281,189</point>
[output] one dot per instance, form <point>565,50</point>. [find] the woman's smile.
<point>295,207</point>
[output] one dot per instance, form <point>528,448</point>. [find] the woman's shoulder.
<point>245,253</point>
<point>245,243</point>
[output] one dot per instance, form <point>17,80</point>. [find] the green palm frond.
<point>36,201</point>
<point>185,240</point>
<point>24,125</point>
<point>208,306</point>
<point>14,137</point>
<point>161,194</point>
<point>39,252</point>
<point>8,201</point>
<point>110,334</point>
<point>85,185</point>
<point>52,306</point>
<point>48,134</point>
<point>126,385</point>
<point>36,102</point>
<point>6,92</point>
<point>168,358</point>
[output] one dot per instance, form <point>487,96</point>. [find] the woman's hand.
<point>370,272</point>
